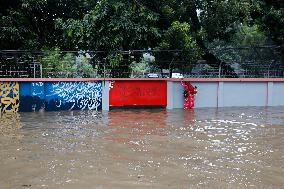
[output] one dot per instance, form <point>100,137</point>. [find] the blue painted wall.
<point>32,96</point>
<point>56,96</point>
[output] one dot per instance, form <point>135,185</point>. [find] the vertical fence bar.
<point>40,67</point>
<point>34,69</point>
<point>220,69</point>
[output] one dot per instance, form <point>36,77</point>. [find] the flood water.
<point>204,148</point>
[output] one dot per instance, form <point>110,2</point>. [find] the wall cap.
<point>145,79</point>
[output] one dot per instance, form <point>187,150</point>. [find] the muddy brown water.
<point>204,148</point>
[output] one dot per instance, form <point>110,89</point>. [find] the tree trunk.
<point>210,58</point>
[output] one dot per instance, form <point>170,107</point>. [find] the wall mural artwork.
<point>56,96</point>
<point>9,105</point>
<point>73,96</point>
<point>32,97</point>
<point>9,97</point>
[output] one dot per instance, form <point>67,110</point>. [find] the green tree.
<point>178,37</point>
<point>112,25</point>
<point>270,16</point>
<point>15,30</point>
<point>30,24</point>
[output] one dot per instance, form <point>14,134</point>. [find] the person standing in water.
<point>189,92</point>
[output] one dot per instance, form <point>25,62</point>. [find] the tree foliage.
<point>188,25</point>
<point>66,65</point>
<point>111,25</point>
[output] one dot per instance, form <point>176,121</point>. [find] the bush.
<point>56,65</point>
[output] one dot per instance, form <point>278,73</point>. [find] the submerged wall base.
<point>46,94</point>
<point>231,94</point>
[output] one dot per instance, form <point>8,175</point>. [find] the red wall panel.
<point>135,93</point>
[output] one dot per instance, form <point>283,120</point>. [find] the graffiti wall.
<point>32,96</point>
<point>9,97</point>
<point>73,96</point>
<point>133,93</point>
<point>50,96</point>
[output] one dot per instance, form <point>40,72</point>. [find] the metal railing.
<point>245,62</point>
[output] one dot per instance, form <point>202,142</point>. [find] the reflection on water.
<point>202,148</point>
<point>9,123</point>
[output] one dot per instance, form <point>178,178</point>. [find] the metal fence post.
<point>34,69</point>
<point>220,69</point>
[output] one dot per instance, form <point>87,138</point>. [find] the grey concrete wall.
<point>105,95</point>
<point>207,94</point>
<point>170,95</point>
<point>178,98</point>
<point>230,94</point>
<point>277,94</point>
<point>244,94</point>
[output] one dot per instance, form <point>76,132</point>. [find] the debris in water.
<point>26,185</point>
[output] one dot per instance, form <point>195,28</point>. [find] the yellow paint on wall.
<point>9,97</point>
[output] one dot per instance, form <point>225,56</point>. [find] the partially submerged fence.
<point>245,62</point>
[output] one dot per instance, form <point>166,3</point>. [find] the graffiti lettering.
<point>82,95</point>
<point>138,91</point>
<point>124,93</point>
<point>9,97</point>
<point>37,89</point>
